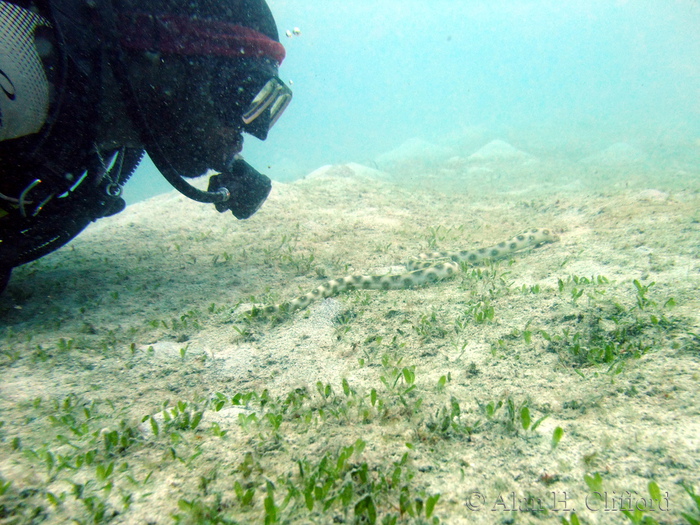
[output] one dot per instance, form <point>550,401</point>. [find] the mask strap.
<point>181,35</point>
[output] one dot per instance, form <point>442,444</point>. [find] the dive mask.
<point>249,95</point>
<point>266,108</point>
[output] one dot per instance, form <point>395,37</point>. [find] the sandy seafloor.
<point>138,313</point>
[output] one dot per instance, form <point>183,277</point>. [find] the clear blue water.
<point>553,77</point>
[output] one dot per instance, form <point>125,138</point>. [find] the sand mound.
<point>499,151</point>
<point>346,171</point>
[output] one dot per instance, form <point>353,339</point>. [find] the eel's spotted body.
<point>425,268</point>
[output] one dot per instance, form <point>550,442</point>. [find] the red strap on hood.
<point>182,35</point>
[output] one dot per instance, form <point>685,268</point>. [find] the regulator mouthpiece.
<point>247,187</point>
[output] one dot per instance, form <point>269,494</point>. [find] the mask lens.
<point>261,102</point>
<point>278,107</point>
<point>267,106</point>
<point>252,101</point>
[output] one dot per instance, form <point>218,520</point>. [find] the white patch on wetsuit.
<point>24,90</point>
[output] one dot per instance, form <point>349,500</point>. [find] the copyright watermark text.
<point>563,501</point>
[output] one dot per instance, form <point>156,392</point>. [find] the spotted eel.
<point>423,269</point>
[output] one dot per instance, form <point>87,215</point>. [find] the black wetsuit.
<point>53,183</point>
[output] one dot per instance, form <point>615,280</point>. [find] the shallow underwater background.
<point>555,79</point>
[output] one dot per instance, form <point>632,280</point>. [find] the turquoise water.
<point>557,79</point>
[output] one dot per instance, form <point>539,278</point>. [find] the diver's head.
<point>201,73</point>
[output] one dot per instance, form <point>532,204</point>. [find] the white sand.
<point>113,293</point>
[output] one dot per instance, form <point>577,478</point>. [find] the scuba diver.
<point>88,86</point>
